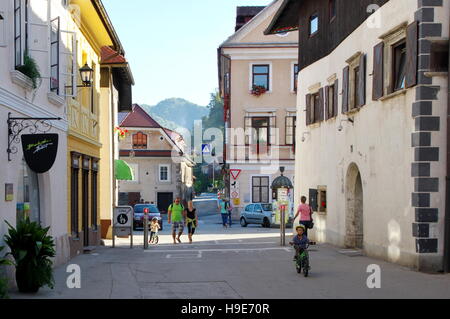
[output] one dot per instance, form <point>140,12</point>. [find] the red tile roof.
<point>109,56</point>
<point>139,118</point>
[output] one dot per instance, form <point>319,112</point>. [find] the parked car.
<point>258,214</point>
<point>138,220</point>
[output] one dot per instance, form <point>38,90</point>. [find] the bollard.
<point>146,212</point>
<point>283,225</point>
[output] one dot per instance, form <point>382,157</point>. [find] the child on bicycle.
<point>300,241</point>
<point>154,228</point>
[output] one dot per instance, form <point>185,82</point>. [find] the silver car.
<point>257,214</point>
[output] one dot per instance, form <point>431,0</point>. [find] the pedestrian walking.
<point>192,220</point>
<point>222,208</point>
<point>177,217</point>
<point>305,212</point>
<point>230,213</point>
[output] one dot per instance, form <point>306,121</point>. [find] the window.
<point>260,75</point>
<point>164,173</point>
<point>139,141</point>
<point>315,108</point>
<point>94,199</point>
<point>74,195</point>
<point>399,66</point>
<point>313,24</point>
<point>332,8</point>
<point>355,88</point>
<point>330,102</point>
<point>322,199</point>
<point>19,43</point>
<point>54,55</point>
<point>291,123</point>
<point>260,189</point>
<point>295,77</point>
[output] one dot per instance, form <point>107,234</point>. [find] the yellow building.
<point>91,115</point>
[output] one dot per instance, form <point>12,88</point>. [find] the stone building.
<point>372,109</point>
<point>159,158</point>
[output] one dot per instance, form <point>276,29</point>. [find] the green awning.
<point>123,171</point>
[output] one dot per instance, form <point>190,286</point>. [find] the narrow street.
<point>232,263</point>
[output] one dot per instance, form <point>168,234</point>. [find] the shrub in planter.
<point>30,69</point>
<point>3,281</point>
<point>32,250</point>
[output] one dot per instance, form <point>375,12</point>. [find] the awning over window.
<point>286,19</point>
<point>123,171</point>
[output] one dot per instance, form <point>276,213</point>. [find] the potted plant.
<point>30,69</point>
<point>258,90</point>
<point>3,281</point>
<point>121,132</point>
<point>32,250</point>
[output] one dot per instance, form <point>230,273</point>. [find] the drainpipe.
<point>447,183</point>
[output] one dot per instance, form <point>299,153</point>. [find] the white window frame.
<point>64,71</point>
<point>168,173</point>
<point>250,74</point>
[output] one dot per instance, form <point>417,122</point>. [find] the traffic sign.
<point>235,173</point>
<point>235,194</point>
<point>206,149</point>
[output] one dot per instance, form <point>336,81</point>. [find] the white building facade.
<point>372,112</point>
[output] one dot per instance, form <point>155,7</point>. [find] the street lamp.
<point>87,73</point>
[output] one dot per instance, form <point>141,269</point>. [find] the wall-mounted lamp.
<point>87,74</point>
<point>350,120</point>
<point>303,136</point>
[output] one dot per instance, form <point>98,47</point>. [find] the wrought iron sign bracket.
<point>17,125</point>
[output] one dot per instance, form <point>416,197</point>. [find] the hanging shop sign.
<point>40,151</point>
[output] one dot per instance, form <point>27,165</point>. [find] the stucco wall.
<point>379,143</point>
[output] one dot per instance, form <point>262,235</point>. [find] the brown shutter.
<point>327,114</point>
<point>345,91</point>
<point>378,71</point>
<point>362,81</point>
<point>308,109</point>
<point>336,98</point>
<point>412,44</point>
<point>321,105</point>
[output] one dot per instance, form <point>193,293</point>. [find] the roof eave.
<point>273,26</point>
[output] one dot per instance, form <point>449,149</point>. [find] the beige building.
<point>257,81</point>
<point>162,168</point>
<point>372,103</point>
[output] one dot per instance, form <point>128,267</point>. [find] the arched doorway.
<point>354,221</point>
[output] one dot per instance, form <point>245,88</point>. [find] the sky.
<point>171,45</point>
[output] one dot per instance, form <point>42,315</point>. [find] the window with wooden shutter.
<point>399,66</point>
<point>336,97</point>
<point>54,54</point>
<point>321,105</point>
<point>412,54</point>
<point>345,89</point>
<point>316,108</point>
<point>330,101</point>
<point>290,129</point>
<point>361,79</point>
<point>308,109</point>
<point>139,141</point>
<point>378,71</point>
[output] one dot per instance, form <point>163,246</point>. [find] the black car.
<point>138,220</point>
